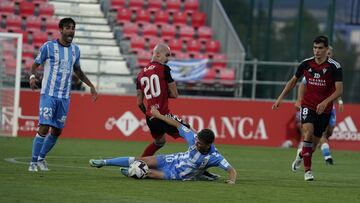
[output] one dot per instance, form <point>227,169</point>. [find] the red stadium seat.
<point>136,3</point>
<point>33,22</point>
<point>218,60</point>
<point>179,55</point>
<point>175,44</point>
<point>187,31</point>
<point>53,34</point>
<point>150,29</point>
<point>13,21</point>
<point>28,51</point>
<point>7,7</point>
<point>39,38</point>
<point>137,42</point>
<point>158,4</point>
<point>191,5</point>
<point>193,45</point>
<point>173,4</point>
<point>204,32</point>
<point>167,30</point>
<point>210,77</point>
<point>26,8</point>
<point>130,29</point>
<point>152,41</point>
<point>10,66</point>
<point>46,9</point>
<point>51,23</point>
<point>28,62</point>
<point>197,55</point>
<point>142,15</point>
<point>143,58</point>
<point>180,17</point>
<point>212,46</point>
<point>198,19</point>
<point>227,77</point>
<point>116,4</point>
<point>124,14</point>
<point>161,16</point>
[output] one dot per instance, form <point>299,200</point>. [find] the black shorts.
<point>158,127</point>
<point>320,122</point>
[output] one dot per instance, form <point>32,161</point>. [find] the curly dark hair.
<point>66,21</point>
<point>206,135</point>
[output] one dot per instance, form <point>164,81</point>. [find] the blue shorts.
<point>167,166</point>
<point>53,111</point>
<point>332,120</point>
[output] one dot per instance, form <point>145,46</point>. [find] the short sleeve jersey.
<point>58,62</point>
<point>153,82</point>
<point>320,81</point>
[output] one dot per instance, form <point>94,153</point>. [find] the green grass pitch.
<point>264,175</point>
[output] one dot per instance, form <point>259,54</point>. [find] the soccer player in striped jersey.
<point>188,165</point>
<point>60,59</point>
<point>324,85</point>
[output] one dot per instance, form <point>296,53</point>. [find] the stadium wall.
<point>237,122</point>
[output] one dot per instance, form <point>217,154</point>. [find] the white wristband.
<point>340,101</point>
<point>32,76</point>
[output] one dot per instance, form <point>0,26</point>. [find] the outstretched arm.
<point>289,86</point>
<point>173,93</point>
<point>300,95</point>
<point>140,101</point>
<point>166,119</point>
<point>232,176</point>
<point>81,75</point>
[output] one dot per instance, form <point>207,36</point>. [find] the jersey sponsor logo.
<point>346,130</point>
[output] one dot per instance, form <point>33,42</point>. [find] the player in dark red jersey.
<point>324,85</point>
<point>155,84</point>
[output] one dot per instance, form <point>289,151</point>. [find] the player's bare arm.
<point>140,101</point>
<point>80,74</point>
<point>166,119</point>
<point>232,176</point>
<point>337,93</point>
<point>32,79</point>
<point>289,86</point>
<point>173,93</point>
<point>300,95</point>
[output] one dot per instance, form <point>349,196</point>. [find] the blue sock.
<point>325,148</point>
<point>50,141</point>
<point>37,145</point>
<point>120,161</point>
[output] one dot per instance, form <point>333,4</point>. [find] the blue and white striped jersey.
<point>190,164</point>
<point>58,62</point>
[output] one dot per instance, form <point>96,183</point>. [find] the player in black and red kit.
<point>155,84</point>
<point>324,85</point>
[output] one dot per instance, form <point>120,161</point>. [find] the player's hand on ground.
<point>229,182</point>
<point>321,107</point>
<point>94,93</point>
<point>32,83</point>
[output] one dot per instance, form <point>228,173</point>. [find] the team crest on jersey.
<point>310,70</point>
<point>324,70</point>
<point>304,117</point>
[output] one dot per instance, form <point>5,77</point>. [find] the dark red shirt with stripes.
<point>320,81</point>
<point>153,82</point>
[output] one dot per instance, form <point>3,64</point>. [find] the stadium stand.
<point>38,21</point>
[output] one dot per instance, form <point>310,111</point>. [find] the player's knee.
<point>56,132</point>
<point>43,130</point>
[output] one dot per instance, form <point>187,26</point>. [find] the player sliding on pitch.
<point>188,165</point>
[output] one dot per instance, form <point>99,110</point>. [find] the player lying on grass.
<point>188,165</point>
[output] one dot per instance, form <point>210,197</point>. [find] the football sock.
<point>325,148</point>
<point>37,145</point>
<point>307,155</point>
<point>50,141</point>
<point>151,149</point>
<point>120,161</point>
